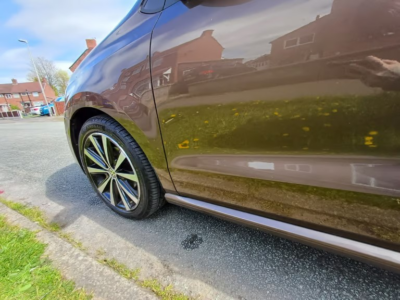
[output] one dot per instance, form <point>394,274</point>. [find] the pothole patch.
<point>193,241</point>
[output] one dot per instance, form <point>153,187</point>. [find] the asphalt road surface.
<point>201,255</point>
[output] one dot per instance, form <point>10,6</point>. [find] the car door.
<point>287,109</point>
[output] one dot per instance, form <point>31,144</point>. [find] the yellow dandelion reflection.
<point>184,145</point>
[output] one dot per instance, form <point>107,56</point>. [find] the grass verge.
<point>32,213</point>
<point>24,274</point>
<point>36,215</point>
<point>164,293</point>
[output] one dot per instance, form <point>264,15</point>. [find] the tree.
<point>56,78</point>
<point>46,69</point>
<point>62,79</point>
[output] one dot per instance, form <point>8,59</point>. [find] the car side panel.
<point>277,108</point>
<point>115,79</point>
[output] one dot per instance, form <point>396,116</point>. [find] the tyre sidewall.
<point>91,127</point>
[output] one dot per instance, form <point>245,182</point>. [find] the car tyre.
<point>118,169</point>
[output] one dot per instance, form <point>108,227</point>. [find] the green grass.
<point>164,293</point>
<point>24,273</point>
<point>36,215</point>
<point>32,213</point>
<point>121,269</point>
<point>30,116</point>
<point>68,237</point>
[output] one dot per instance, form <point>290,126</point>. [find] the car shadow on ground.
<point>238,261</point>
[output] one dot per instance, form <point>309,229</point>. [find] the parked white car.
<point>35,110</point>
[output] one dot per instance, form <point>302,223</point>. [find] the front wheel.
<point>118,169</point>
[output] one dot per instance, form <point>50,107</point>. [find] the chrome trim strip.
<point>381,257</point>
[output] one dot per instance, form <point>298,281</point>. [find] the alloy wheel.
<point>111,171</point>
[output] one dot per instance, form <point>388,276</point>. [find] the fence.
<point>11,114</point>
<point>60,107</point>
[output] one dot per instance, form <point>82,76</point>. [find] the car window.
<point>152,6</point>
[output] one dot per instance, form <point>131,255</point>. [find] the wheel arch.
<point>76,122</point>
<point>155,157</point>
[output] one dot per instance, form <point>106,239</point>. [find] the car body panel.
<point>44,109</point>
<point>271,109</point>
<point>293,127</point>
<point>114,79</point>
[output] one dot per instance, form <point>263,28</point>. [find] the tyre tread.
<point>156,197</point>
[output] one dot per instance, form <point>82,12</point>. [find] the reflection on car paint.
<point>281,118</point>
<point>284,107</point>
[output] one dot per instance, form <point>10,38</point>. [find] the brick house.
<point>167,68</point>
<point>368,25</point>
<point>24,95</point>
<point>91,44</point>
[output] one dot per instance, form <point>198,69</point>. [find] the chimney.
<point>91,43</point>
<point>317,18</point>
<point>44,81</point>
<point>14,81</point>
<point>207,33</point>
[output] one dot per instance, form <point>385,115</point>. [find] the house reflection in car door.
<point>263,109</point>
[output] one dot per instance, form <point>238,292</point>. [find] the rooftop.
<point>15,87</point>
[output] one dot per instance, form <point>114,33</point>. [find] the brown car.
<point>281,115</point>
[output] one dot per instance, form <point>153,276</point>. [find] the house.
<point>134,82</point>
<point>167,65</point>
<point>24,95</point>
<point>91,44</point>
<point>351,27</point>
<point>260,63</point>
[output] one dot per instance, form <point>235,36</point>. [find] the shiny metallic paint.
<point>99,84</point>
<point>262,105</point>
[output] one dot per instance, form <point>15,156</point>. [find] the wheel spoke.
<point>107,152</point>
<point>100,151</point>
<point>128,190</point>
<point>132,177</point>
<point>104,184</point>
<point>95,158</point>
<point>110,169</point>
<point>123,197</point>
<point>120,160</point>
<point>96,171</point>
<point>112,199</point>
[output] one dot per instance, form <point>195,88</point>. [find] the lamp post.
<point>37,74</point>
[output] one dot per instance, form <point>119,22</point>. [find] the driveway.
<point>226,261</point>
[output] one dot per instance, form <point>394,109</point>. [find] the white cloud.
<point>57,31</point>
<point>248,35</point>
<point>15,63</point>
<point>65,22</point>
<point>64,65</point>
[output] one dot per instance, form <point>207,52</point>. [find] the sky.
<point>55,29</point>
